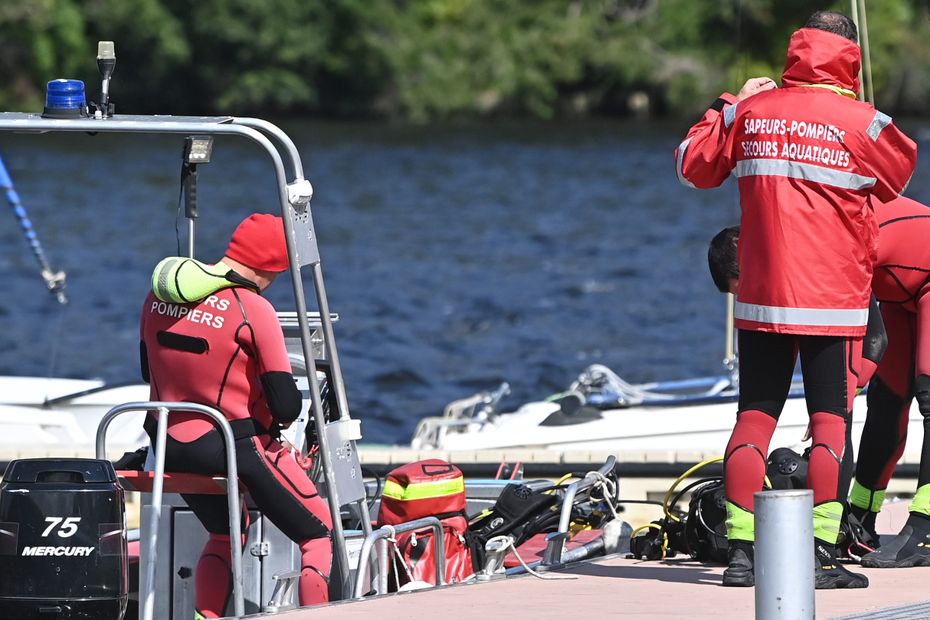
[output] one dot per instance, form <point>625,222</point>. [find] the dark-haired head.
<point>834,22</point>
<point>721,258</point>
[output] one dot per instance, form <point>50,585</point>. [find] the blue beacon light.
<point>65,99</point>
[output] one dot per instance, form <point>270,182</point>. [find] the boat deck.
<point>617,587</point>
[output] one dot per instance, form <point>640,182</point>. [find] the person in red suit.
<point>808,157</point>
<point>224,347</point>
<point>900,283</point>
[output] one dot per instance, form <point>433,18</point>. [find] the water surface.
<point>456,258</point>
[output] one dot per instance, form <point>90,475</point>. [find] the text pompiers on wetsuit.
<point>774,148</point>
<point>196,315</point>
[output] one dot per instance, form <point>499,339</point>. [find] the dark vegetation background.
<point>495,195</point>
<point>427,60</point>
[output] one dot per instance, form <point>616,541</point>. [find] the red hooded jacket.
<point>807,157</point>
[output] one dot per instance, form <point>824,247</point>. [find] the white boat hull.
<point>36,416</point>
<point>693,428</point>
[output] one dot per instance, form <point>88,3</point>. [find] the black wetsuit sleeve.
<point>876,339</point>
<point>719,104</point>
<point>284,400</point>
<point>144,362</point>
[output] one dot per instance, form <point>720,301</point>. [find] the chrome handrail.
<point>401,528</point>
<point>232,482</point>
<point>557,540</point>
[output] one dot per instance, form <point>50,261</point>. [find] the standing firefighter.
<point>808,157</point>
<point>209,337</point>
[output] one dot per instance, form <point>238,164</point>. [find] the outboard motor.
<point>62,541</point>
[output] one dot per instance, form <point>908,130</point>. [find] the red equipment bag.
<point>430,488</point>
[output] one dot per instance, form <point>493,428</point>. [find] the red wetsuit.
<point>228,352</point>
<point>901,282</point>
<point>214,352</point>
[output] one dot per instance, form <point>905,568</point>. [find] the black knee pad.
<point>882,398</point>
<point>922,389</point>
<point>771,407</point>
<point>875,341</point>
<point>829,402</point>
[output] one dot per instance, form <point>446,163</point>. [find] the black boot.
<point>739,564</point>
<point>909,548</point>
<point>829,574</point>
<point>861,537</point>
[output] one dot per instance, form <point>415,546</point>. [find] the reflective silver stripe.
<point>680,163</point>
<point>729,113</point>
<point>797,170</point>
<point>879,122</point>
<point>776,315</point>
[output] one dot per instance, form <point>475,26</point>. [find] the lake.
<point>456,257</point>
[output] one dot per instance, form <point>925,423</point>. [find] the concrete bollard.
<point>784,554</point>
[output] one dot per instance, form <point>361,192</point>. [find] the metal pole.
<point>784,554</point>
<point>329,341</point>
<point>340,553</point>
<point>384,567</point>
<point>272,130</point>
<point>148,609</point>
<point>439,548</point>
<point>863,25</point>
<point>730,353</point>
<point>338,384</point>
<point>234,498</point>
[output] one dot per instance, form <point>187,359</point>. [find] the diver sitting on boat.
<point>804,200</point>
<point>209,337</point>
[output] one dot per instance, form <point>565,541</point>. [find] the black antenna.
<point>106,63</point>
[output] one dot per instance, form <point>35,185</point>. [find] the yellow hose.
<point>668,496</point>
<point>654,526</point>
<point>559,483</point>
<point>671,490</point>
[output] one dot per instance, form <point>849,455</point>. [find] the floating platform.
<point>619,587</point>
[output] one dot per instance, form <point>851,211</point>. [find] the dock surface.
<point>626,588</point>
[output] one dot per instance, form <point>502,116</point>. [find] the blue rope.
<point>55,281</point>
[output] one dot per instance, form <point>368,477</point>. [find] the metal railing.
<point>389,531</point>
<point>556,540</point>
<point>302,251</point>
<point>147,606</point>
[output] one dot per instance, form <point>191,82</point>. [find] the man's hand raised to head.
<point>754,86</point>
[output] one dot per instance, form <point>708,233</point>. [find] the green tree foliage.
<point>39,40</point>
<point>424,60</point>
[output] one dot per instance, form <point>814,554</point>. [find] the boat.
<point>684,420</point>
<point>165,590</point>
<point>58,417</point>
<point>48,415</point>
